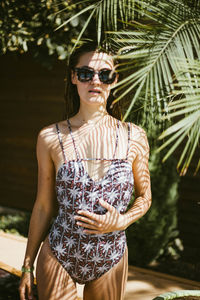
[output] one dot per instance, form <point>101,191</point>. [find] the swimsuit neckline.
<point>95,182</point>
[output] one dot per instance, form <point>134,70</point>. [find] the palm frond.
<point>107,14</point>
<point>83,29</point>
<point>155,60</point>
<point>76,15</point>
<point>154,39</point>
<point>158,52</point>
<point>99,27</point>
<point>188,127</point>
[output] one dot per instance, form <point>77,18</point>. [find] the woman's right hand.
<point>26,286</point>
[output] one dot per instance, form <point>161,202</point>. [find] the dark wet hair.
<point>72,100</point>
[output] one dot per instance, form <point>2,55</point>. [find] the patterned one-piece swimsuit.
<point>88,256</point>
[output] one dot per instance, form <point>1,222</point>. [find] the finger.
<point>92,231</point>
<point>87,214</point>
<point>106,205</point>
<point>86,220</point>
<point>30,294</point>
<point>87,226</point>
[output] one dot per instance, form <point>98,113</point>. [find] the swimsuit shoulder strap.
<point>117,138</point>
<point>60,141</point>
<point>76,151</point>
<point>70,130</point>
<point>129,127</point>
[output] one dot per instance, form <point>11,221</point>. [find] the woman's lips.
<point>93,91</point>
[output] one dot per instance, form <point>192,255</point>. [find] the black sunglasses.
<point>86,74</point>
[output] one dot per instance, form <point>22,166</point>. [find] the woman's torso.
<point>80,183</point>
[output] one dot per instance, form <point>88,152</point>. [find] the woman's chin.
<point>95,100</point>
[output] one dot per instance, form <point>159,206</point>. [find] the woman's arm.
<point>142,182</point>
<point>43,210</point>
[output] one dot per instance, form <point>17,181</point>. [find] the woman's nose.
<point>96,79</point>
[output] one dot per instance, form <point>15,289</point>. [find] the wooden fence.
<point>31,97</point>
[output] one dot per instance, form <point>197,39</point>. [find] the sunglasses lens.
<point>85,75</point>
<point>107,76</point>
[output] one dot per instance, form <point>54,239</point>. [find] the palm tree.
<point>158,46</point>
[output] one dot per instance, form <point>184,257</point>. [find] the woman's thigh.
<point>53,282</point>
<point>111,285</point>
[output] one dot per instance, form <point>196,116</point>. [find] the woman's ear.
<point>73,77</point>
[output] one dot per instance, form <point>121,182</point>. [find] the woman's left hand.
<point>98,224</point>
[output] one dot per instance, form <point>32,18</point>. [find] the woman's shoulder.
<point>51,128</point>
<point>46,131</point>
<point>138,136</point>
<point>48,134</point>
<point>135,130</point>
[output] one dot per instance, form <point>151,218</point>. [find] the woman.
<point>92,158</point>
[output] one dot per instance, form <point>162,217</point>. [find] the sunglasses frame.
<point>93,72</point>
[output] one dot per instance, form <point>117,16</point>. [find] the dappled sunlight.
<point>111,285</point>
<point>94,141</point>
<point>140,151</point>
<point>98,162</point>
<point>111,157</point>
<point>148,284</point>
<point>53,282</point>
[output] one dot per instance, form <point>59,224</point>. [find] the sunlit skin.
<point>112,220</point>
<point>94,131</point>
<point>88,100</point>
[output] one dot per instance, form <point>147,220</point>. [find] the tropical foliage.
<point>31,28</point>
<point>157,43</point>
<point>155,233</point>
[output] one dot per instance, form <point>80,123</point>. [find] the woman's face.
<point>94,92</point>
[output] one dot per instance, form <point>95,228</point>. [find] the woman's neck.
<point>90,115</point>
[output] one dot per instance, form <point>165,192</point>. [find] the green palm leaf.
<point>154,39</point>
<point>188,127</point>
<point>106,13</point>
<point>76,15</point>
<point>155,63</point>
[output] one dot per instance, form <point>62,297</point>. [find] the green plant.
<point>31,28</point>
<point>184,294</point>
<point>149,236</point>
<point>156,42</point>
<point>17,223</point>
